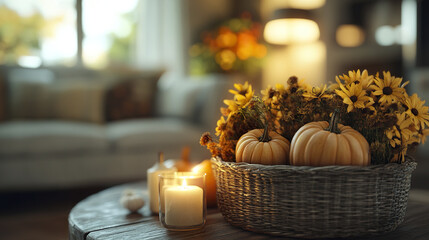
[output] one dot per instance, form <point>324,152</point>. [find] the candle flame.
<point>184,183</point>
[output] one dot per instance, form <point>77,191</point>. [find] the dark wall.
<point>422,34</point>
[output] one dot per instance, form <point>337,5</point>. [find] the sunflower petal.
<point>377,92</point>
<point>341,94</point>
<point>347,101</point>
<point>233,92</point>
<point>359,104</point>
<point>405,84</point>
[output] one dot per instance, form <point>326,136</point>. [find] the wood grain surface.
<point>100,216</point>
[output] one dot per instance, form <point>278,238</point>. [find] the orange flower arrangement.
<point>233,46</point>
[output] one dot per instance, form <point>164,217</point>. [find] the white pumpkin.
<point>131,200</point>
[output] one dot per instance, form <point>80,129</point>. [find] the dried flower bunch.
<point>378,107</point>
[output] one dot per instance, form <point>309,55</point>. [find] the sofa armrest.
<point>195,99</point>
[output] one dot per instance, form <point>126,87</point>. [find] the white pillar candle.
<point>183,205</point>
<point>153,182</point>
<point>153,185</point>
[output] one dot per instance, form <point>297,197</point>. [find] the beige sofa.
<point>59,152</point>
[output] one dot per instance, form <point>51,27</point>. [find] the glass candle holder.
<point>182,201</point>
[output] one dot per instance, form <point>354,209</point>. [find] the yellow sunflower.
<point>389,88</point>
<point>280,88</point>
<point>269,97</point>
<point>357,77</point>
<point>243,99</point>
<point>370,107</point>
<point>242,96</point>
<point>394,136</point>
<point>281,94</point>
<point>424,133</point>
<point>303,85</point>
<point>267,94</point>
<point>400,132</point>
<point>221,125</point>
<point>317,92</point>
<point>412,140</point>
<point>225,111</point>
<point>232,105</point>
<point>417,111</point>
<point>333,86</point>
<point>294,84</point>
<point>353,96</point>
<point>242,90</point>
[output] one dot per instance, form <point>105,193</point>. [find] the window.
<point>52,32</point>
<point>109,28</point>
<point>34,31</point>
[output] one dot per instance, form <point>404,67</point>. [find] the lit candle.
<point>153,182</point>
<point>183,205</point>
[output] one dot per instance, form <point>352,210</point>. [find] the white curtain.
<point>162,36</point>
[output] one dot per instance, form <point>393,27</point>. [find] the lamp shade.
<point>291,26</point>
<point>349,35</point>
<point>306,4</point>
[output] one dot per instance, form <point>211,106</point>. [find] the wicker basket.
<point>313,202</point>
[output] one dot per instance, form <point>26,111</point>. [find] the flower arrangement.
<point>377,106</point>
<point>235,45</point>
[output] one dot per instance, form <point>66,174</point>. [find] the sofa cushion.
<point>152,133</point>
<point>28,93</point>
<point>50,137</point>
<point>78,100</point>
<point>37,94</point>
<point>133,95</point>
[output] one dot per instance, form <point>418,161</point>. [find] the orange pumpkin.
<point>263,147</point>
<point>183,164</point>
<point>323,143</point>
<point>206,167</point>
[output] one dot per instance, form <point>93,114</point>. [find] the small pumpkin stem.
<point>265,136</point>
<point>333,124</point>
<point>185,154</point>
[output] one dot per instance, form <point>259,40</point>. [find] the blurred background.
<point>91,90</point>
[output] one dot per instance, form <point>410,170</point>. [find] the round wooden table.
<point>100,216</point>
